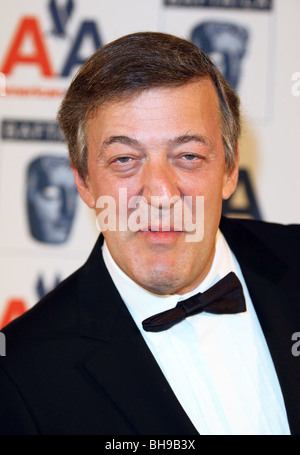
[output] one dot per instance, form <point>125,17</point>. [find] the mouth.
<point>161,235</point>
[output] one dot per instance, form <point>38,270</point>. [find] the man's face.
<point>162,143</point>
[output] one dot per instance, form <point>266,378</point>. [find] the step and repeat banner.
<point>46,232</point>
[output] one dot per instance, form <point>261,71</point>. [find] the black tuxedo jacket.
<point>77,364</point>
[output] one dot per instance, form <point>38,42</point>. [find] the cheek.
<point>123,191</point>
<point>212,192</point>
<point>112,198</point>
<point>101,186</point>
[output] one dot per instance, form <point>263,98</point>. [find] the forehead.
<point>159,110</point>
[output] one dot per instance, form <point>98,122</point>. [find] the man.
<point>152,126</point>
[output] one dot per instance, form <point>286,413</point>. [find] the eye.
<point>123,159</point>
<point>120,160</point>
<point>124,163</point>
<point>189,159</point>
<point>190,156</point>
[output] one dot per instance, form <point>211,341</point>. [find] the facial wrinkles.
<point>154,128</point>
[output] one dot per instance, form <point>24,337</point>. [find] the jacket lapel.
<point>143,396</point>
<point>123,365</point>
<point>276,298</point>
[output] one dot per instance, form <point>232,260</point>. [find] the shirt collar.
<point>143,304</point>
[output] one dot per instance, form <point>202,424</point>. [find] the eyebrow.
<point>126,140</point>
<point>186,138</point>
<point>120,140</point>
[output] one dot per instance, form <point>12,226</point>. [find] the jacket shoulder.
<point>282,239</point>
<point>57,310</point>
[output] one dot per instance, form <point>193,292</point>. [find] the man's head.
<point>150,115</point>
<point>130,65</point>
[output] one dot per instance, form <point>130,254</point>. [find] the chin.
<point>161,281</point>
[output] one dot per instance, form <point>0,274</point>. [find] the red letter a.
<point>14,308</point>
<point>28,28</point>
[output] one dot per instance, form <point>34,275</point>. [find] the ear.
<point>84,189</point>
<point>231,178</point>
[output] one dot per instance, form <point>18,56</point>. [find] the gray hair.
<point>130,65</point>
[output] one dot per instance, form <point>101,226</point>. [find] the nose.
<point>160,186</point>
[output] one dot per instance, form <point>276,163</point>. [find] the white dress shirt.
<point>218,366</point>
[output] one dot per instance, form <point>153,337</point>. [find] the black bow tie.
<point>225,297</point>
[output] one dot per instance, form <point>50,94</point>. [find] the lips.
<point>161,229</point>
<point>161,237</point>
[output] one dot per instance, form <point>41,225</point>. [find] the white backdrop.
<point>43,43</point>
